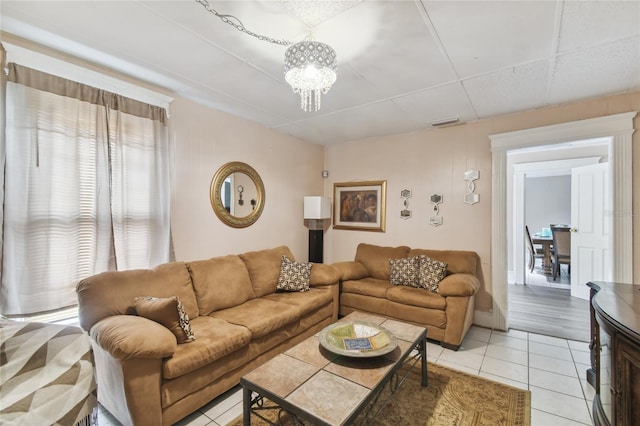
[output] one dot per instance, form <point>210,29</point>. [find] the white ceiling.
<point>401,64</point>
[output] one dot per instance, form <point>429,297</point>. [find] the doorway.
<point>536,163</point>
<point>541,195</point>
<point>619,128</point>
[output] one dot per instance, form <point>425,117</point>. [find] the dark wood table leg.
<point>246,406</point>
<point>423,355</point>
<point>548,268</point>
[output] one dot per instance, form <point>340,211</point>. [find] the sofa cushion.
<point>220,283</point>
<point>366,286</point>
<point>416,297</point>
<point>294,276</point>
<point>430,273</point>
<point>216,338</point>
<point>264,268</point>
<point>306,302</point>
<point>167,311</point>
<point>404,271</point>
<point>261,316</point>
<point>434,320</point>
<point>113,292</point>
<point>376,258</point>
<point>458,261</point>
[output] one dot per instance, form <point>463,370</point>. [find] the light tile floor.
<point>553,369</point>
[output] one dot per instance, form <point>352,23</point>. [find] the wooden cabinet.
<point>615,353</point>
<point>628,366</point>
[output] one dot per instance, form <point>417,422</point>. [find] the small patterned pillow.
<point>167,311</point>
<point>431,272</point>
<point>294,276</point>
<point>404,271</point>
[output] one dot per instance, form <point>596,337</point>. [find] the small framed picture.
<point>360,205</point>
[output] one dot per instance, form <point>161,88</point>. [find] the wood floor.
<point>549,311</point>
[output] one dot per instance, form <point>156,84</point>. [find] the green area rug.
<point>452,398</point>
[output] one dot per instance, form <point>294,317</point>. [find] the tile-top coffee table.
<point>322,388</point>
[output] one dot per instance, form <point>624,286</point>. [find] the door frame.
<point>619,127</point>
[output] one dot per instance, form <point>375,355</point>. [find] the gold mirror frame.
<point>216,199</point>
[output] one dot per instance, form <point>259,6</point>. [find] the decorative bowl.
<point>358,339</point>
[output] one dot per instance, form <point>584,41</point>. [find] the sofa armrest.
<point>459,285</point>
<point>351,270</point>
<point>130,336</point>
<point>323,274</point>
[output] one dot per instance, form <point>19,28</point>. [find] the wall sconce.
<point>316,210</point>
<point>471,176</point>
<point>436,200</point>
<point>405,194</point>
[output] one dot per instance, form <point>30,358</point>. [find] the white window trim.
<point>51,65</point>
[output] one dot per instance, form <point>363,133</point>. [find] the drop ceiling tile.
<point>153,45</point>
<point>350,89</point>
<point>605,69</point>
<point>378,119</point>
<point>485,36</point>
<point>517,88</point>
<point>402,55</point>
<point>232,105</point>
<point>263,18</point>
<point>437,104</point>
<point>253,87</point>
<point>589,23</point>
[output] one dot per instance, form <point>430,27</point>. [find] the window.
<point>86,188</point>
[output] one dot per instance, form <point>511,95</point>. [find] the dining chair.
<point>561,249</point>
<point>534,253</point>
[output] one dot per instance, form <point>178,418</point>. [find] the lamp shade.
<point>310,68</point>
<point>317,207</point>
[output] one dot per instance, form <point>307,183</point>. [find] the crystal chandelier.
<point>310,68</point>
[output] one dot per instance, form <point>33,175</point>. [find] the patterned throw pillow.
<point>431,272</point>
<point>167,311</point>
<point>404,271</point>
<point>294,276</point>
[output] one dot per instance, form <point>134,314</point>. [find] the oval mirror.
<point>237,194</point>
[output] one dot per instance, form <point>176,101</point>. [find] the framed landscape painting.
<point>360,205</point>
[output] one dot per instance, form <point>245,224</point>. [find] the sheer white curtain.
<point>86,189</point>
<point>140,187</point>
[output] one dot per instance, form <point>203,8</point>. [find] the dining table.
<point>546,242</point>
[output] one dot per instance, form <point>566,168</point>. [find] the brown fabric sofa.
<point>447,315</point>
<point>238,318</point>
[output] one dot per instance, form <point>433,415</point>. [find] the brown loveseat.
<point>238,319</point>
<point>447,315</point>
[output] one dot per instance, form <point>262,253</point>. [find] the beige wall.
<point>290,168</point>
<point>434,161</point>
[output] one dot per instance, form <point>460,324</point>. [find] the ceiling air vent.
<point>444,122</point>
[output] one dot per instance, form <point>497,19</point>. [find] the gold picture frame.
<point>360,206</point>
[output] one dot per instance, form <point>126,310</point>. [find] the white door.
<point>590,237</point>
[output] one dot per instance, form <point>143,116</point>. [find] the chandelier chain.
<point>238,25</point>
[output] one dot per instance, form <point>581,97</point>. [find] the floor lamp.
<point>316,210</point>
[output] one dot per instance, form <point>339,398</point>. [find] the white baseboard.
<point>483,319</point>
